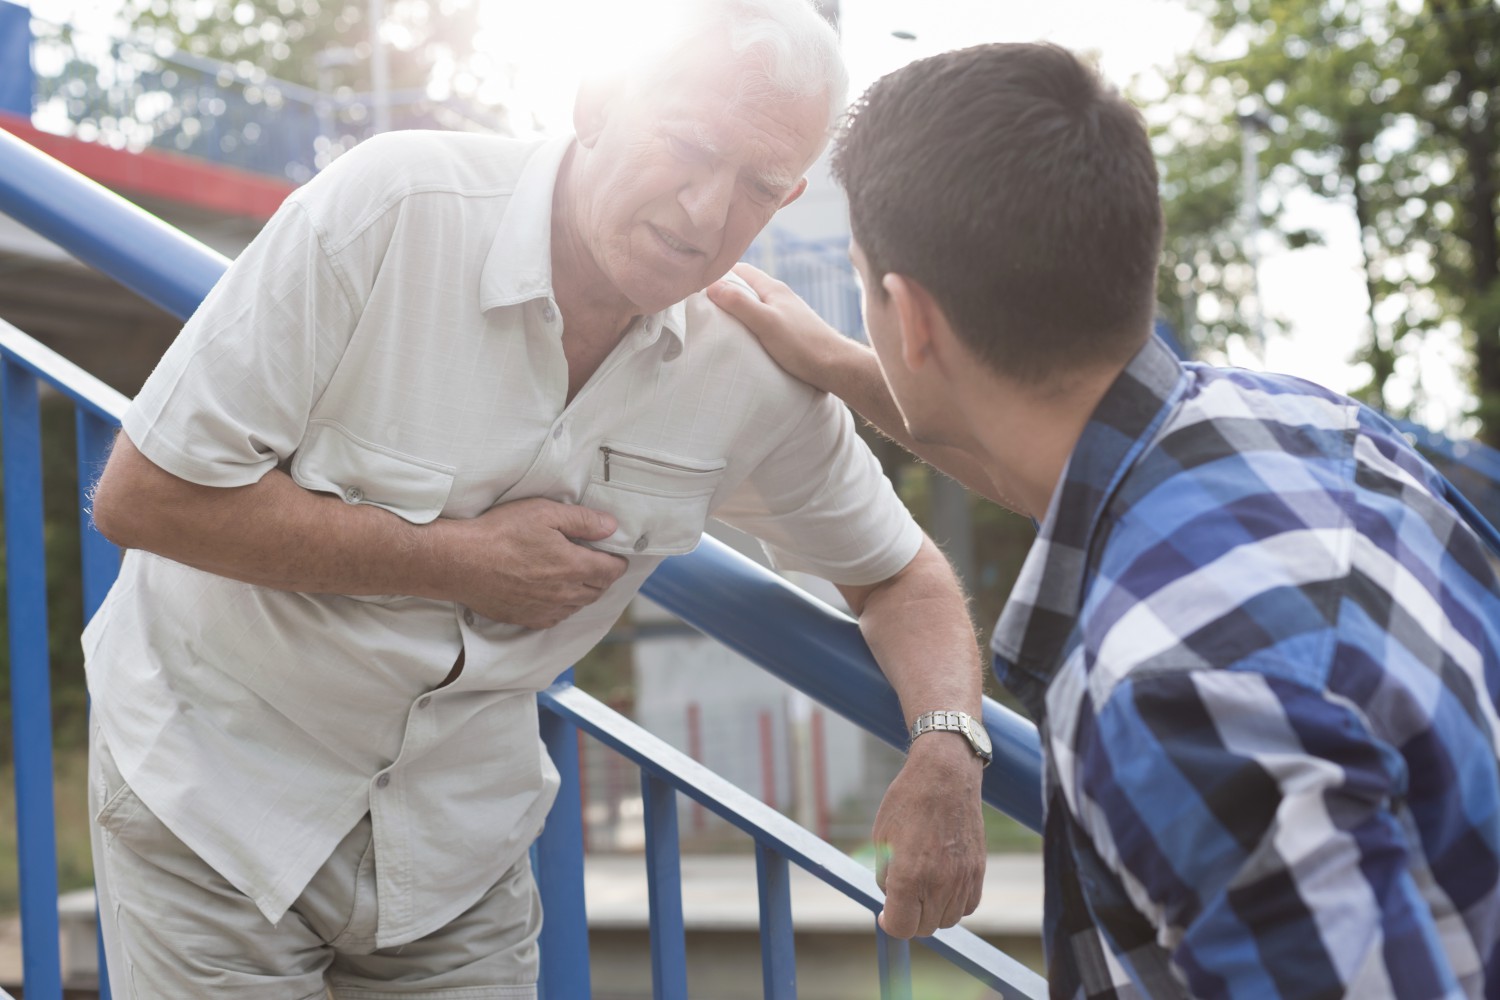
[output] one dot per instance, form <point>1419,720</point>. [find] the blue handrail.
<point>777,837</point>
<point>104,230</point>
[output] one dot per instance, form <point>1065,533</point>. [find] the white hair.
<point>792,49</point>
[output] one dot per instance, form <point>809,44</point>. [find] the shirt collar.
<point>519,265</point>
<point>1040,615</point>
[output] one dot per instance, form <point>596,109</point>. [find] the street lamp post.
<point>380,71</point>
<point>1251,125</point>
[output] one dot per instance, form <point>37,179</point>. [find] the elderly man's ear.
<point>592,107</point>
<point>795,194</point>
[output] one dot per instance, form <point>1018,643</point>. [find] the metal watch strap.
<point>949,722</point>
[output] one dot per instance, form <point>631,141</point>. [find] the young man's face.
<point>882,327</point>
<point>680,180</point>
<point>924,400</point>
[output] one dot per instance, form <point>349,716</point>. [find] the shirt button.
<point>382,781</point>
<point>642,542</point>
<point>557,431</point>
<point>353,494</point>
<point>424,701</point>
<point>468,617</point>
<point>548,313</point>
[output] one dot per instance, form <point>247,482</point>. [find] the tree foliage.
<point>288,38</point>
<point>277,86</point>
<point>1385,107</point>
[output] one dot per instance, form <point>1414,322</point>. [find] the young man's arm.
<point>515,563</point>
<point>929,831</point>
<point>811,350</point>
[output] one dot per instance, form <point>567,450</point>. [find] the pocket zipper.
<point>607,452</point>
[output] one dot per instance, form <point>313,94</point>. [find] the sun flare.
<point>542,50</point>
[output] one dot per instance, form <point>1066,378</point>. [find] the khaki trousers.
<point>174,929</point>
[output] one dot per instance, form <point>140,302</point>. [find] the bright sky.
<point>540,50</point>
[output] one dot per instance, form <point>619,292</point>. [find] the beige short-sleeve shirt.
<point>391,337</point>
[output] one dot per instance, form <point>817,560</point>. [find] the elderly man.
<point>412,457</point>
<point>1262,647</point>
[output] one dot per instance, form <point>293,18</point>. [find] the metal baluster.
<point>564,942</point>
<point>101,562</point>
<point>778,949</point>
<point>895,966</point>
<point>30,685</point>
<point>664,882</point>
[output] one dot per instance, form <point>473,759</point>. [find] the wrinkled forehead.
<point>729,101</point>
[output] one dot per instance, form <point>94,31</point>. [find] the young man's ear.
<point>919,319</point>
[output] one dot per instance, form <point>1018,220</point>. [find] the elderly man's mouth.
<point>674,244</point>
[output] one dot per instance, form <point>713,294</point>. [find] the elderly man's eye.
<point>683,149</point>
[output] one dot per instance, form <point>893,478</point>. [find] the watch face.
<point>980,735</point>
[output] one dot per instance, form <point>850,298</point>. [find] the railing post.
<point>101,562</point>
<point>30,685</point>
<point>664,890</point>
<point>778,948</point>
<point>564,942</point>
<point>894,956</point>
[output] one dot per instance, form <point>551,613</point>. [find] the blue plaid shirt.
<point>1265,659</point>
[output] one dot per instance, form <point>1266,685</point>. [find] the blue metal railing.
<point>23,364</point>
<point>716,590</point>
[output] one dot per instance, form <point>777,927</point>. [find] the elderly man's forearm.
<point>918,627</point>
<point>271,533</point>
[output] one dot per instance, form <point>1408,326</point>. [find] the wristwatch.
<point>956,722</point>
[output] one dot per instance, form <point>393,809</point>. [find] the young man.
<point>354,493</point>
<point>1263,651</point>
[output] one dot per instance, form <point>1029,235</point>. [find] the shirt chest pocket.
<point>659,501</point>
<point>333,460</point>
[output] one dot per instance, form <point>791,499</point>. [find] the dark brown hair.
<point>1020,190</point>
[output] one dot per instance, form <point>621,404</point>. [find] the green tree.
<point>261,83</point>
<point>285,38</point>
<point>1385,107</point>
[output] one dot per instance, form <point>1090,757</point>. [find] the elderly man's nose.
<point>706,198</point>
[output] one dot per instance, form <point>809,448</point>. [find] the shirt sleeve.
<point>230,398</point>
<point>1262,831</point>
<point>820,503</point>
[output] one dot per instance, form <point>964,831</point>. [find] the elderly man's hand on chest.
<point>524,563</point>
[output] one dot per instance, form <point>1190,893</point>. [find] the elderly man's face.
<point>678,182</point>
